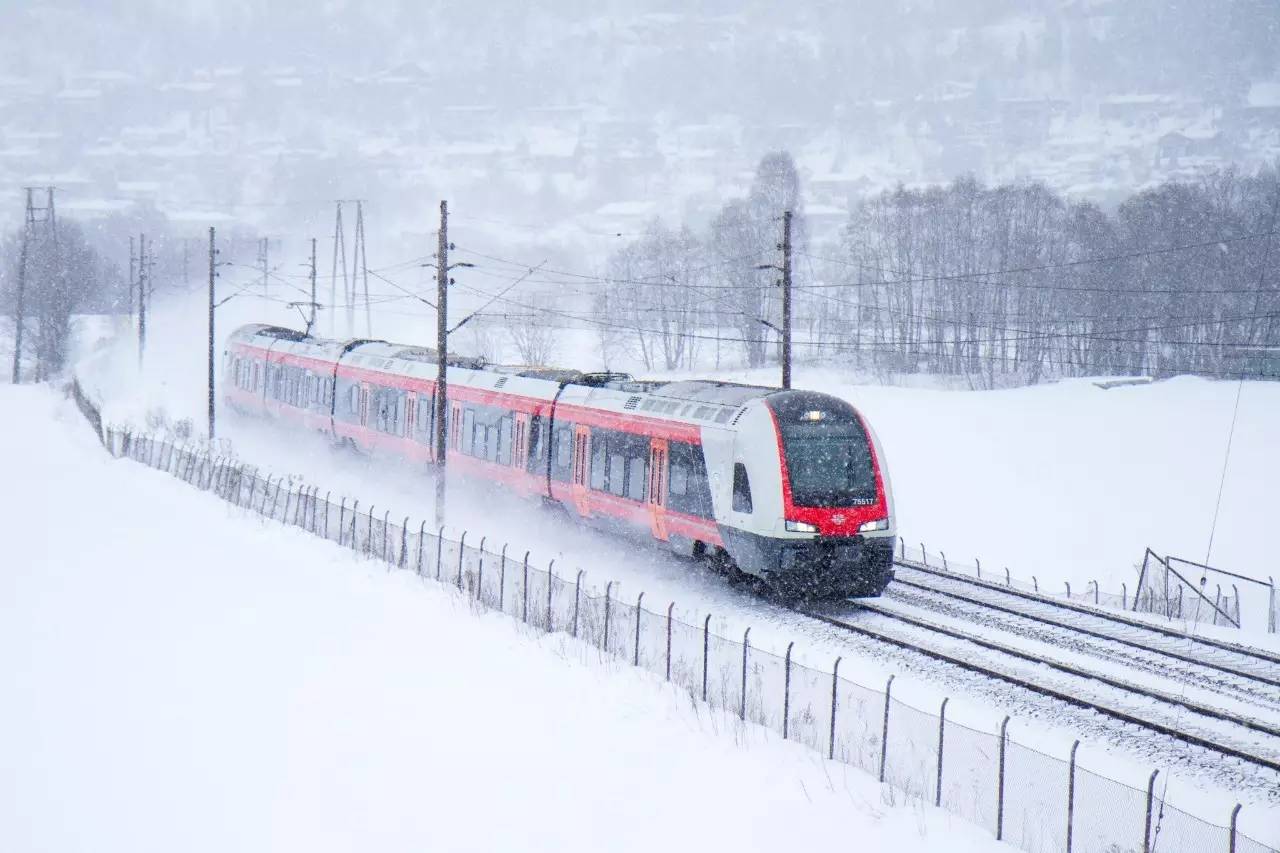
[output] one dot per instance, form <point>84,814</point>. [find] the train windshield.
<point>826,450</point>
<point>828,463</point>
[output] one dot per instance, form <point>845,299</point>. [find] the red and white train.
<point>789,486</point>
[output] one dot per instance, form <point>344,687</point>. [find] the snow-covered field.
<point>183,677</point>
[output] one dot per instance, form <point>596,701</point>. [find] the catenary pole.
<point>133,273</point>
<point>442,340</point>
<point>311,323</point>
<point>142,297</point>
<point>19,316</point>
<point>212,275</point>
<point>786,299</point>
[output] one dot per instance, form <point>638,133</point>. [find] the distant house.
<point>1177,146</point>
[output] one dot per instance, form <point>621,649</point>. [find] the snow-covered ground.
<point>181,676</point>
<point>1119,754</point>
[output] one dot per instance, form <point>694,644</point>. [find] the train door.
<point>581,469</point>
<point>520,450</point>
<point>364,404</point>
<point>656,494</point>
<point>410,413</point>
<point>455,426</point>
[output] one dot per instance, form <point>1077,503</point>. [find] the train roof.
<point>702,401</point>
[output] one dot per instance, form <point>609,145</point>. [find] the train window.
<point>741,489</point>
<point>564,449</point>
<point>637,472</point>
<point>598,462</point>
<point>678,476</point>
<point>617,479</point>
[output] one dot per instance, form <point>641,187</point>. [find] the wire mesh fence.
<point>1038,802</point>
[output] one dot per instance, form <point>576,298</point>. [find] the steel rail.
<point>1235,648</point>
<point>1046,690</point>
<point>1091,632</point>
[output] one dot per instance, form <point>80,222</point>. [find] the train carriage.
<point>789,486</point>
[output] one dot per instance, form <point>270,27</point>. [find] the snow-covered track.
<point>1236,658</point>
<point>1130,647</point>
<point>1213,734</point>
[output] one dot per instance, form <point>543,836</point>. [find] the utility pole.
<point>133,273</point>
<point>360,264</point>
<point>442,341</point>
<point>264,249</point>
<point>339,250</point>
<point>142,297</point>
<point>785,281</point>
<point>213,252</point>
<point>28,229</point>
<point>312,321</point>
<point>786,299</point>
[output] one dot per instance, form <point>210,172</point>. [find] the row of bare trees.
<point>1000,284</point>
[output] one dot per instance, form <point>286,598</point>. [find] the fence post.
<point>355,509</point>
<point>404,539</point>
<point>1271,612</point>
<point>835,682</point>
<point>577,593</point>
<point>1151,798</point>
<point>502,578</point>
<point>1004,734</point>
<point>670,607</point>
<point>786,692</point>
<point>439,550</point>
<point>884,731</point>
<point>635,660</point>
<point>942,731</point>
<point>902,546</point>
<point>1068,585</point>
<point>1235,591</point>
<point>386,517</point>
<point>480,568</point>
<point>1008,578</point>
<point>368,533</point>
<point>1071,794</point>
<point>608,590</point>
<point>947,568</point>
<point>1235,814</point>
<point>924,555</point>
<point>1096,593</point>
<point>524,590</point>
<point>462,549</point>
<point>276,497</point>
<point>262,507</point>
<point>288,498</point>
<point>746,646</point>
<point>422,532</point>
<point>1124,596</point>
<point>551,576</point>
<point>706,650</point>
<point>1034,583</point>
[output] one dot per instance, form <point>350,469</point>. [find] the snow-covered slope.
<point>182,677</point>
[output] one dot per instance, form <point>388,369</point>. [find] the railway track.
<point>1225,732</point>
<point>1258,666</point>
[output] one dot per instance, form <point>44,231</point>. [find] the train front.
<point>824,523</point>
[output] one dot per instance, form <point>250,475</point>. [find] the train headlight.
<point>870,526</point>
<point>801,527</point>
